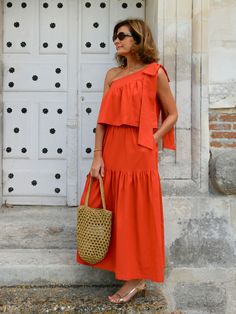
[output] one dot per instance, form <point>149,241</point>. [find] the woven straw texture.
<point>93,229</point>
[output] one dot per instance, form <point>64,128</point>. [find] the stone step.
<point>47,267</point>
<point>79,299</point>
<point>35,227</point>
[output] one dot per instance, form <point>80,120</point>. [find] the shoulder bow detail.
<point>147,111</point>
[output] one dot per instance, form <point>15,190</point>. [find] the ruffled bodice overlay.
<point>132,100</point>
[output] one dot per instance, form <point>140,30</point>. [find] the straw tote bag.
<point>93,228</point>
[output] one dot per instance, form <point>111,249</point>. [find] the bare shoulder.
<point>112,73</point>
<point>162,75</point>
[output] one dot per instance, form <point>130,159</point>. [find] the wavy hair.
<point>144,48</point>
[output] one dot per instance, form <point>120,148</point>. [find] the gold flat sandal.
<point>137,290</point>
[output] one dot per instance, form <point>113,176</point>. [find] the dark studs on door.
<point>88,110</point>
<point>87,4</point>
<point>89,85</point>
<point>52,131</point>
<point>102,5</point>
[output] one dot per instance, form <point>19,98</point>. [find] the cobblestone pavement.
<point>77,299</point>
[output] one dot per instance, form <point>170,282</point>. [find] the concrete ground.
<point>77,299</point>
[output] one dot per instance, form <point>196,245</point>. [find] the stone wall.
<point>222,54</point>
<point>222,96</point>
<point>222,75</point>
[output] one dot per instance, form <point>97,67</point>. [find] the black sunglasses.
<point>120,36</point>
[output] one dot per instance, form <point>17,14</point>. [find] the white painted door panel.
<point>37,100</point>
<point>96,55</point>
<point>56,54</point>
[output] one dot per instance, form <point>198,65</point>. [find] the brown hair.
<point>144,48</point>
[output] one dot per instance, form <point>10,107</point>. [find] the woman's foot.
<point>128,290</point>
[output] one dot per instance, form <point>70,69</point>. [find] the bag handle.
<point>101,191</point>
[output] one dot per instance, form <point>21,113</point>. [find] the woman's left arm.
<point>168,104</point>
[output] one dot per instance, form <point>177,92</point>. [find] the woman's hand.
<point>97,165</point>
<point>156,137</point>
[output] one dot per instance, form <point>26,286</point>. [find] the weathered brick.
<point>216,144</point>
<point>222,144</point>
<point>220,126</point>
<point>223,134</point>
<point>227,117</point>
<point>231,144</point>
<point>213,117</point>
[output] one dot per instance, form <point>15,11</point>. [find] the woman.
<point>126,156</point>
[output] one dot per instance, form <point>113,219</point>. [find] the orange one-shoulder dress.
<point>130,111</point>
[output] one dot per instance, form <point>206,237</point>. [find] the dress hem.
<point>121,277</point>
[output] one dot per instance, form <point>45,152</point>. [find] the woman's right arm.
<point>98,164</point>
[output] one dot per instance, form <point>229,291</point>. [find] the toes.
<point>113,299</point>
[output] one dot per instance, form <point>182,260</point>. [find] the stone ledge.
<point>43,267</point>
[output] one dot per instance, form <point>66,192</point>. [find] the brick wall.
<point>222,125</point>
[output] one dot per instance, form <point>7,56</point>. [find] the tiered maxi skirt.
<point>133,193</point>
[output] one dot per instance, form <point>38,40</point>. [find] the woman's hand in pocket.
<point>156,138</point>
